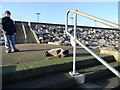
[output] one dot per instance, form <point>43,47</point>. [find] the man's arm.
<point>3,24</point>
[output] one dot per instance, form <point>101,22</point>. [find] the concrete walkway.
<point>34,52</point>
<point>28,52</point>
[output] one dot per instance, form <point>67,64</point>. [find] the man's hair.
<point>7,12</point>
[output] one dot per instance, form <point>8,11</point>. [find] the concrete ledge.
<point>108,83</point>
<point>64,80</point>
<point>39,71</point>
<point>8,69</point>
<point>116,54</point>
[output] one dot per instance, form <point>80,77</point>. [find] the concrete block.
<point>116,54</point>
<point>79,78</point>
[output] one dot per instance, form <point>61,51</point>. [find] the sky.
<point>54,12</point>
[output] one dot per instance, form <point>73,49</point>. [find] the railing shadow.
<point>79,54</point>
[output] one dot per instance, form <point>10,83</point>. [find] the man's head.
<point>7,13</point>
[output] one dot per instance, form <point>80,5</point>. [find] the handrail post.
<point>74,44</point>
<point>80,78</point>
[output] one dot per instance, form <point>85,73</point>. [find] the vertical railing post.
<point>74,46</point>
<point>80,78</point>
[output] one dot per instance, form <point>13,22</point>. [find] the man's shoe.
<point>8,51</point>
<point>16,50</point>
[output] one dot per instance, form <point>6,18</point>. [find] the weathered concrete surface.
<point>31,52</point>
<point>19,37</point>
<point>28,52</point>
<point>63,79</point>
<point>24,34</point>
<point>103,84</point>
<point>29,33</point>
<point>34,52</point>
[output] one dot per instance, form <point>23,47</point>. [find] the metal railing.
<point>74,40</point>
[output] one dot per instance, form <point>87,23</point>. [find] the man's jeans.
<point>9,42</point>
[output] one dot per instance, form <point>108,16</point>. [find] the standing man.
<point>9,32</point>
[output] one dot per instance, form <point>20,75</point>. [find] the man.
<point>9,32</point>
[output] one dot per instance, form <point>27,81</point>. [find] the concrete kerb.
<point>66,67</point>
<point>98,74</point>
<point>64,80</point>
<point>8,69</point>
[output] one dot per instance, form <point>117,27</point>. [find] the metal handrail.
<point>73,38</point>
<point>108,23</point>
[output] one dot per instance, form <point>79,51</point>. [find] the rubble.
<point>88,36</point>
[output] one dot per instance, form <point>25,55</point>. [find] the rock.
<point>102,41</point>
<point>54,43</point>
<point>88,36</point>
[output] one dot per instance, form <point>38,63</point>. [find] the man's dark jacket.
<point>8,26</point>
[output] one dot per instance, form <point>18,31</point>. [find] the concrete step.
<point>64,79</point>
<point>102,84</point>
<point>56,80</point>
<point>35,72</point>
<point>98,72</point>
